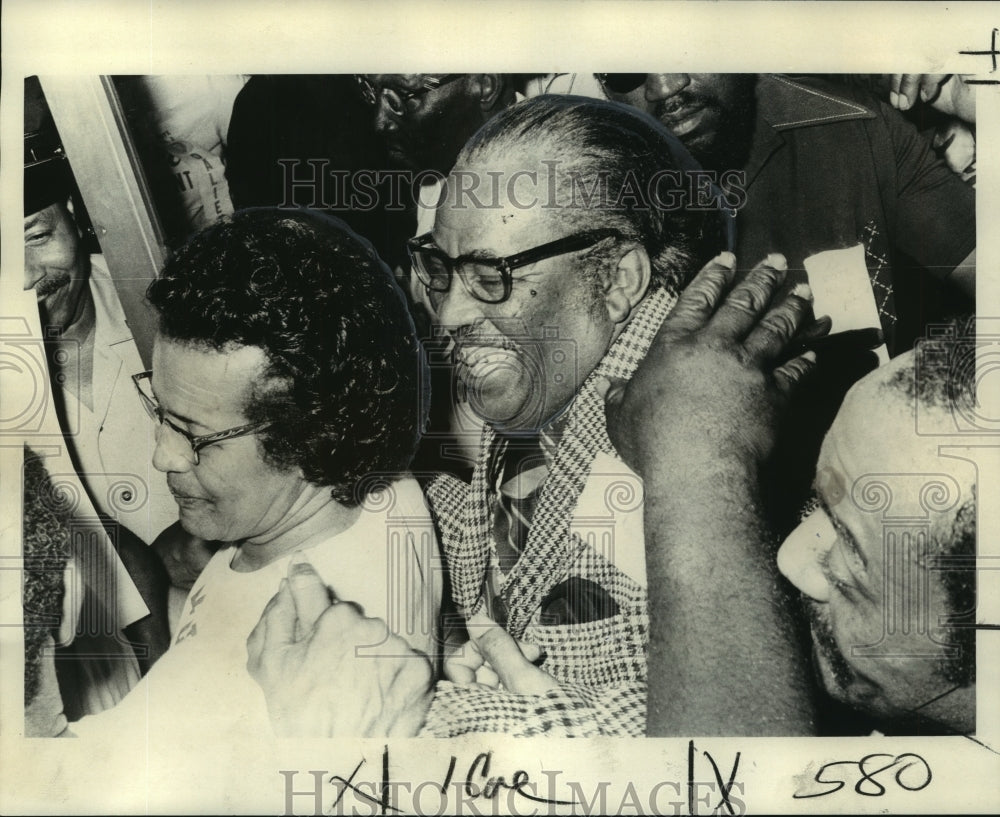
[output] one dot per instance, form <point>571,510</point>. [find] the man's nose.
<point>456,307</point>
<point>172,453</point>
<point>800,557</point>
<point>385,120</point>
<point>33,273</point>
<point>664,86</point>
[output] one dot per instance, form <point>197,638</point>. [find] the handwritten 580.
<point>908,771</point>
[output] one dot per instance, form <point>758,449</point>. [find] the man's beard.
<point>826,645</point>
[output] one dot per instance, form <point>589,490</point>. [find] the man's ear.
<point>490,89</point>
<point>627,284</point>
<point>76,225</point>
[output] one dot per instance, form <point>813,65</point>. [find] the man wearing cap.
<point>91,354</point>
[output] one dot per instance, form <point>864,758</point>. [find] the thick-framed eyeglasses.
<point>396,99</point>
<point>621,83</point>
<point>197,443</point>
<point>489,280</point>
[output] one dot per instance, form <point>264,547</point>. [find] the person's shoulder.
<point>410,499</point>
<point>401,498</point>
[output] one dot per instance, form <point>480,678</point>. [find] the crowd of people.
<point>565,405</point>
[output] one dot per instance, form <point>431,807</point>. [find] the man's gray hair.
<point>944,377</point>
<point>614,167</point>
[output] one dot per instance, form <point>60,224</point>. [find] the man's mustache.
<point>678,102</point>
<point>51,283</point>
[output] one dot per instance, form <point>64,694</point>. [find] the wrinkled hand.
<point>303,654</point>
<point>493,658</point>
<point>948,93</point>
<point>183,555</point>
<point>716,378</point>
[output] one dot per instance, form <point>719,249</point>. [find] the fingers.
<point>956,144</point>
<point>410,698</point>
<point>700,298</point>
<point>485,676</point>
<point>309,593</point>
<point>514,670</point>
<point>610,390</point>
<point>500,649</point>
<point>772,335</point>
<point>817,329</point>
<point>942,141</point>
<point>467,665</point>
<point>408,724</point>
<point>903,90</point>
<point>789,375</point>
<point>461,664</point>
<point>531,652</point>
<point>895,80</point>
<point>931,86</point>
<point>275,627</point>
<point>906,89</point>
<point>750,298</point>
<point>279,618</point>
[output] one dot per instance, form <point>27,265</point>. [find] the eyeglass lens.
<point>623,83</point>
<point>482,281</point>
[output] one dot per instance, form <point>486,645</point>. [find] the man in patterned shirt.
<point>549,295</point>
<point>543,295</point>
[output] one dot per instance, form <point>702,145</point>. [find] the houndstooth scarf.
<point>549,549</point>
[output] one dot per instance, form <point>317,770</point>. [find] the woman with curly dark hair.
<point>286,389</point>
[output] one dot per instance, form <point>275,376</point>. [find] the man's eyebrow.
<point>32,221</point>
<point>403,82</point>
<point>480,255</point>
<point>842,530</point>
<point>475,255</point>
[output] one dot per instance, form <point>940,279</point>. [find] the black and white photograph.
<point>531,442</point>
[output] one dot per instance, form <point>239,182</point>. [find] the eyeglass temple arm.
<point>553,248</point>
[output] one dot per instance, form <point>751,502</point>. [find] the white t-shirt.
<point>387,562</point>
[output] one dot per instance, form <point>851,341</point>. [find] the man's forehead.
<point>494,209</point>
<point>509,183</point>
<point>875,453</point>
<point>44,216</point>
<point>408,81</point>
<point>875,431</point>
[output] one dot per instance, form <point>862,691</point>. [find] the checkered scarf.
<point>550,548</point>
